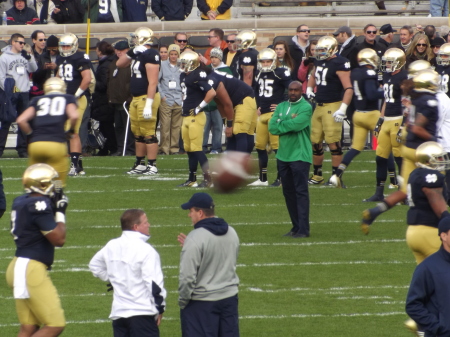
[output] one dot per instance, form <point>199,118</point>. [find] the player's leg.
<point>333,134</point>
<point>148,128</point>
<point>75,142</point>
<point>317,140</point>
<point>139,139</point>
<point>262,139</point>
<point>196,143</point>
<point>396,146</point>
<point>408,165</point>
<point>274,143</point>
<point>423,241</point>
<point>192,159</point>
<point>251,110</point>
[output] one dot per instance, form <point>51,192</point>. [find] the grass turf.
<point>338,282</point>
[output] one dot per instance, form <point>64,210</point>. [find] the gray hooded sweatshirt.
<point>14,65</point>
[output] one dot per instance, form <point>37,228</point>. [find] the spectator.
<point>347,41</point>
<point>38,48</point>
<point>118,93</point>
<point>44,10</point>
<point>173,10</point>
<point>133,269</point>
<point>171,100</point>
<point>215,39</point>
<point>430,31</point>
<point>20,14</point>
<point>370,34</point>
<point>298,48</point>
<point>420,49</point>
<point>387,35</point>
<point>16,63</point>
<point>134,11</point>
<point>439,8</point>
<point>284,57</point>
<point>208,283</point>
<point>163,53</point>
<point>103,11</point>
<point>100,110</point>
<point>181,40</point>
<point>48,57</point>
<point>215,9</point>
<point>406,36</point>
<point>307,66</point>
<point>436,44</point>
<point>229,52</point>
<point>68,11</point>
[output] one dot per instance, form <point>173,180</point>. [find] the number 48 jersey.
<point>139,80</point>
<point>329,86</point>
<point>270,88</point>
<point>70,68</point>
<point>444,73</point>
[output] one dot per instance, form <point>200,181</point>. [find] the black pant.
<point>23,99</point>
<point>135,326</point>
<point>120,126</point>
<point>294,179</point>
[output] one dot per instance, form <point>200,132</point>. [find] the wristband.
<point>79,92</point>
<point>229,124</point>
<point>60,217</point>
<point>203,104</point>
<point>343,107</point>
<point>148,103</point>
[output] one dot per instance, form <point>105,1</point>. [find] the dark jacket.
<point>2,196</point>
<point>378,47</point>
<point>8,102</point>
<point>428,300</point>
<point>297,55</point>
<point>172,10</point>
<point>44,12</point>
<point>39,76</point>
<point>118,83</point>
<point>134,10</point>
<point>350,53</point>
<point>71,11</point>
<point>26,16</point>
<point>100,108</point>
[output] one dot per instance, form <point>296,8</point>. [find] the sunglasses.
<point>21,42</point>
<point>304,31</point>
<point>230,41</point>
<point>40,40</point>
<point>182,41</point>
<point>371,31</point>
<point>421,45</point>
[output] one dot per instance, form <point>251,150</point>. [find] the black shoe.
<point>300,235</point>
<point>276,183</point>
<point>23,155</point>
<point>116,154</point>
<point>374,198</point>
<point>290,233</point>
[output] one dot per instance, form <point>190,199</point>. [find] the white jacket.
<point>134,269</point>
<point>443,123</point>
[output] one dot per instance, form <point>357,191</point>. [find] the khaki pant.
<point>170,124</point>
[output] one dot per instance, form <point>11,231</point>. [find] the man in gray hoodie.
<point>16,63</point>
<point>208,283</point>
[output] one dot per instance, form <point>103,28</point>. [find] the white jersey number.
<point>321,76</point>
<point>103,6</point>
<point>183,91</point>
<point>265,87</point>
<point>66,72</point>
<point>389,93</point>
<point>357,92</point>
<point>444,83</point>
<point>135,66</point>
<point>55,106</point>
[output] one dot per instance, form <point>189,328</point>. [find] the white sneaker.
<point>259,183</point>
<point>150,170</point>
<point>73,171</point>
<point>137,169</point>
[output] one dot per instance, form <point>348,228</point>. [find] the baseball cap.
<point>444,225</point>
<point>173,47</point>
<point>386,29</point>
<point>199,200</point>
<point>343,29</point>
<point>437,41</point>
<point>121,45</point>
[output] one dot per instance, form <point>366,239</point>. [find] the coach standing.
<point>208,283</point>
<point>292,122</point>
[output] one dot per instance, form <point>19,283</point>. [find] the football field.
<point>338,282</point>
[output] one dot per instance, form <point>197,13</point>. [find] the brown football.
<point>231,171</point>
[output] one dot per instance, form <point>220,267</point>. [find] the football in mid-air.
<point>231,171</point>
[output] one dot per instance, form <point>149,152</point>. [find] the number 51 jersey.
<point>70,68</point>
<point>329,86</point>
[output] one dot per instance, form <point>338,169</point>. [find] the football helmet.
<point>189,61</point>
<point>39,178</point>
<point>245,39</point>
<point>216,52</point>
<point>141,37</point>
<point>368,56</point>
<point>426,80</point>
<point>70,40</point>
<point>54,85</point>
<point>326,47</point>
<point>443,56</point>
<point>264,55</point>
<point>392,60</point>
<point>433,156</point>
<point>417,66</point>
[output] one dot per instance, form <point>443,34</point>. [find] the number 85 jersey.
<point>329,86</point>
<point>70,68</point>
<point>270,88</point>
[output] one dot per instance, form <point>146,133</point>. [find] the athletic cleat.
<point>81,172</point>
<point>368,217</point>
<point>336,182</point>
<point>259,183</point>
<point>137,169</point>
<point>392,186</point>
<point>374,198</point>
<point>315,180</point>
<point>73,171</point>
<point>205,184</point>
<point>276,183</point>
<point>188,183</point>
<point>150,170</point>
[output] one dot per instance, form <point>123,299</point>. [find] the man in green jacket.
<point>292,122</point>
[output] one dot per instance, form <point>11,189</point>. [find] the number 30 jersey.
<point>139,81</point>
<point>48,125</point>
<point>270,88</point>
<point>70,68</point>
<point>329,86</point>
<point>393,93</point>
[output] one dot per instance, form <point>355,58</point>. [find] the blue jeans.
<point>215,124</point>
<point>439,8</point>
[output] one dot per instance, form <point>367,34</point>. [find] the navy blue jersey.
<point>444,73</point>
<point>48,125</point>
<point>329,86</point>
<point>248,58</point>
<point>194,87</point>
<point>237,89</point>
<point>30,216</point>
<point>70,68</point>
<point>420,211</point>
<point>270,88</point>
<point>393,93</point>
<point>427,105</point>
<point>107,11</point>
<point>360,77</point>
<point>139,81</point>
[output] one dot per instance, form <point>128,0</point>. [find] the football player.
<point>74,68</point>
<point>38,225</point>
<point>443,67</point>
<point>365,97</point>
<point>197,93</point>
<point>331,75</point>
<point>145,64</point>
<point>391,118</point>
<point>246,63</point>
<point>271,84</point>
<point>46,137</point>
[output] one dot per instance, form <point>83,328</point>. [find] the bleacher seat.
<point>288,39</point>
<point>3,44</point>
<point>199,41</point>
<point>111,40</point>
<point>29,41</point>
<point>92,43</point>
<point>166,40</point>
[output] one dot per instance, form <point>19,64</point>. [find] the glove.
<point>310,93</point>
<point>139,49</point>
<point>25,55</point>
<point>2,211</point>
<point>377,129</point>
<point>62,203</point>
<point>200,107</point>
<point>399,138</point>
<point>339,116</point>
<point>147,114</point>
<point>109,287</point>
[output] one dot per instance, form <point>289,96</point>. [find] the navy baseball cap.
<point>121,45</point>
<point>444,225</point>
<point>199,200</point>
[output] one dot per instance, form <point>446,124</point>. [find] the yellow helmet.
<point>326,47</point>
<point>433,156</point>
<point>39,178</point>
<point>393,60</point>
<point>70,40</point>
<point>368,56</point>
<point>141,37</point>
<point>417,66</point>
<point>245,39</point>
<point>443,56</point>
<point>264,55</point>
<point>54,85</point>
<point>189,61</point>
<point>426,80</point>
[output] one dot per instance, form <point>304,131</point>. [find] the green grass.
<point>335,283</point>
